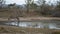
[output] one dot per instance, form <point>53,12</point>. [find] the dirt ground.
<point>31,18</point>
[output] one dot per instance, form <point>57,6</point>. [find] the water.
<point>40,24</point>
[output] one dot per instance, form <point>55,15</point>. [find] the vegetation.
<point>12,29</point>
<point>30,9</point>
<point>40,8</point>
<point>56,32</point>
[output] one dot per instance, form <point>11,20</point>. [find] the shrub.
<point>56,32</point>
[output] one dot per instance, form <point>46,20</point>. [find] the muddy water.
<point>52,24</point>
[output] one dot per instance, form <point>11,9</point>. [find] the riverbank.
<point>22,30</point>
<point>31,18</point>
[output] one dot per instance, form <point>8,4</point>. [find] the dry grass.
<point>12,29</point>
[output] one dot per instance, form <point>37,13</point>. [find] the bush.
<point>56,32</point>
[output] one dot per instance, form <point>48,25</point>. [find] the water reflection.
<point>35,25</point>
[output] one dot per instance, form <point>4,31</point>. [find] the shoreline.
<point>31,19</point>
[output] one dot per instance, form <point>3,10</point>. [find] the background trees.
<point>40,7</point>
<point>28,4</point>
<point>2,2</point>
<point>56,11</point>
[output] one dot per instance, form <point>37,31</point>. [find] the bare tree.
<point>28,4</point>
<point>2,2</point>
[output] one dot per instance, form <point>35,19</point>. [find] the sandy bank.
<point>31,18</point>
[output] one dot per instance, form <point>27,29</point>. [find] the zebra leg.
<point>17,21</point>
<point>9,21</point>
